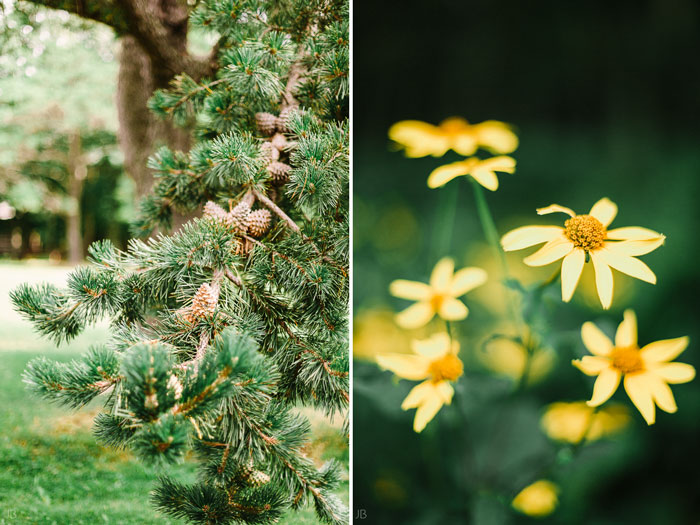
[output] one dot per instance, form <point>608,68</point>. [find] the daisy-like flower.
<point>420,139</point>
<point>585,237</point>
<point>537,500</point>
<point>646,371</point>
<point>482,171</point>
<point>434,360</point>
<point>439,297</point>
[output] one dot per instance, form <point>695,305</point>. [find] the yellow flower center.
<point>436,301</point>
<point>449,367</point>
<point>585,232</point>
<point>454,127</point>
<point>627,359</point>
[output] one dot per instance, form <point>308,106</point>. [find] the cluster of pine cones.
<point>277,145</point>
<point>241,219</point>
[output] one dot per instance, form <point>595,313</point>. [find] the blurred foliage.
<point>57,79</point>
<point>603,100</point>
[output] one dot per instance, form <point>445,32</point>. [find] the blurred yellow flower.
<point>375,332</point>
<point>439,297</point>
<point>482,171</point>
<point>537,500</point>
<point>572,422</point>
<point>507,357</point>
<point>435,360</point>
<point>420,139</point>
<point>585,236</point>
<point>647,371</point>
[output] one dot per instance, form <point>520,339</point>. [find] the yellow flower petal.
<point>603,279</point>
<point>419,138</point>
<point>571,268</point>
<point>626,334</point>
<point>436,346</point>
<point>418,395</point>
<point>467,279</point>
<point>595,340</point>
<point>465,144</point>
<point>452,309</point>
<point>502,163</point>
<point>486,178</point>
<point>550,252</point>
<point>639,391</point>
<point>407,366</point>
<point>675,373</point>
<point>604,387</point>
<point>635,248</point>
<point>555,208</point>
<point>445,391</point>
<point>629,265</point>
<point>496,136</point>
<point>664,350</point>
<point>527,236</point>
<point>411,290</point>
<point>444,174</point>
<point>537,500</point>
<point>415,315</point>
<point>426,411</point>
<point>604,210</point>
<point>633,233</point>
<point>441,277</point>
<point>591,365</point>
<point>661,392</point>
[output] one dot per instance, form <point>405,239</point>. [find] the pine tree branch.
<point>276,209</point>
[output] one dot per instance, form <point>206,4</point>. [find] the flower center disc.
<point>627,359</point>
<point>585,232</point>
<point>448,367</point>
<point>436,301</point>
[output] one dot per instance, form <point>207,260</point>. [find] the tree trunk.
<point>77,171</point>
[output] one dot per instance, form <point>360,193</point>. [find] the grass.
<point>51,469</point>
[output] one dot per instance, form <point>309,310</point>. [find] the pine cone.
<point>214,211</point>
<point>279,141</point>
<point>185,314</point>
<point>204,302</point>
<point>279,171</point>
<point>259,222</point>
<point>266,122</point>
<point>283,119</point>
<point>237,218</point>
<point>268,152</point>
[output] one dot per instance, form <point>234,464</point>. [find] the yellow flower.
<point>585,236</point>
<point>509,358</point>
<point>482,171</point>
<point>572,422</point>
<point>537,500</point>
<point>438,297</point>
<point>435,360</point>
<point>647,371</point>
<point>421,139</point>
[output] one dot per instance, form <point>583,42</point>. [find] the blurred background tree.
<point>62,180</point>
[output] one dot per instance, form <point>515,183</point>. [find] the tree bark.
<point>77,171</point>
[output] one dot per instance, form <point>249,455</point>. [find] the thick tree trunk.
<point>77,171</point>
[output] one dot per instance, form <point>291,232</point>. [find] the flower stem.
<point>444,225</point>
<point>491,235</point>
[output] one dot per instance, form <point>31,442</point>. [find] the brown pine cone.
<point>283,119</point>
<point>214,211</point>
<point>237,218</point>
<point>279,171</point>
<point>279,141</point>
<point>259,222</point>
<point>268,152</point>
<point>266,123</point>
<point>204,302</point>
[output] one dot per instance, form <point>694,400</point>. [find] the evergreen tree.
<point>222,328</point>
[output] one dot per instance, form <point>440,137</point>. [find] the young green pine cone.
<point>266,122</point>
<point>204,302</point>
<point>214,211</point>
<point>258,478</point>
<point>259,222</point>
<point>279,171</point>
<point>279,142</point>
<point>268,152</point>
<point>237,218</point>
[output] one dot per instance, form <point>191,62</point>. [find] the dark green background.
<point>606,100</point>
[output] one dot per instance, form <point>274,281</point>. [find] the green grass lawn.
<point>51,469</point>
